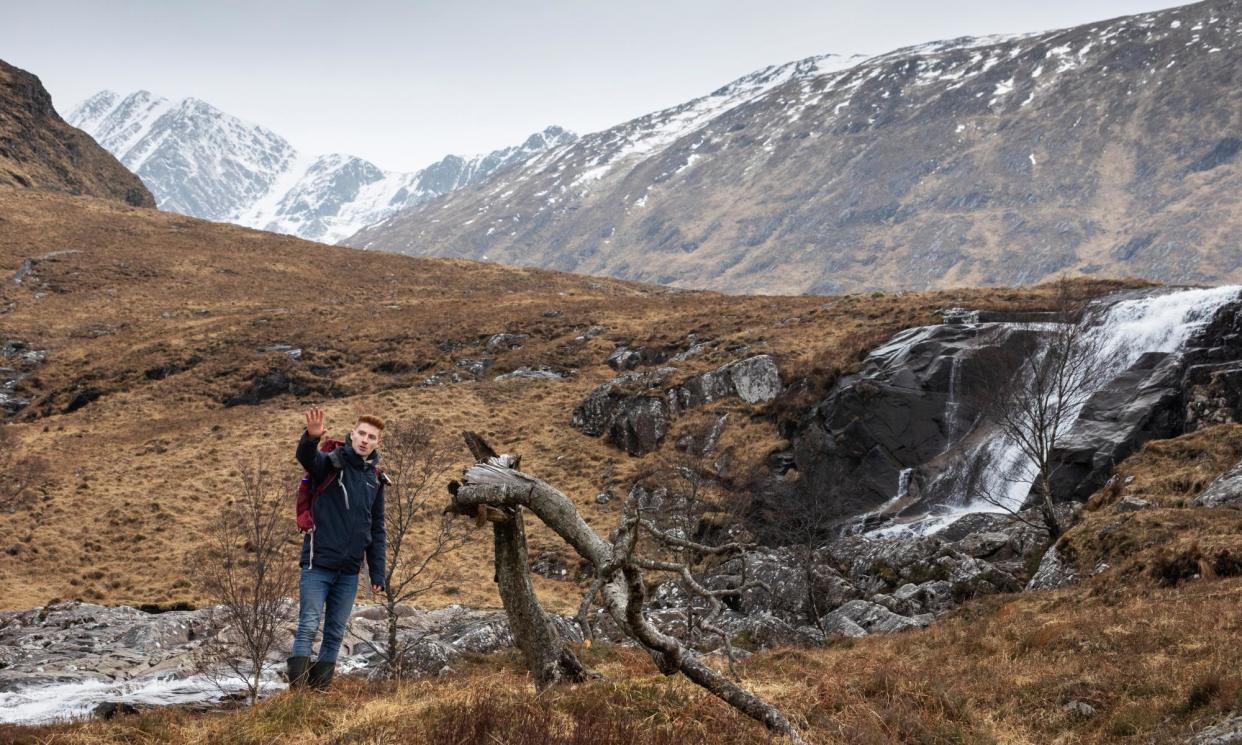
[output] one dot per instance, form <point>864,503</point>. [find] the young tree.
<point>1034,407</point>
<point>248,569</point>
<point>801,520</point>
<point>415,458</point>
<point>687,509</point>
<point>22,474</point>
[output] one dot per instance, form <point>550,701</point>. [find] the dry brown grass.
<point>1155,661</point>
<point>149,290</point>
<point>1171,541</point>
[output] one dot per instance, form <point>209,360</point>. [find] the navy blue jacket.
<point>349,513</point>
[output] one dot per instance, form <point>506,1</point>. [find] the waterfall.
<point>1123,331</point>
<point>903,484</point>
<point>952,404</point>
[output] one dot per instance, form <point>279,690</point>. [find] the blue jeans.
<point>319,588</point>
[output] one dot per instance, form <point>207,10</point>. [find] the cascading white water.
<point>903,484</point>
<point>67,701</point>
<point>1124,331</point>
<point>952,405</point>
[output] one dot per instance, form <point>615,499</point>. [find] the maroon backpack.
<point>307,492</point>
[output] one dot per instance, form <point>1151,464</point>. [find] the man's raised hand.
<point>314,422</point>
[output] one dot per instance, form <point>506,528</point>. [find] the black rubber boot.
<point>296,671</point>
<point>320,676</point>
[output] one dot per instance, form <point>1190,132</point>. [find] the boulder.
<point>431,657</point>
<point>790,592</point>
<point>985,545</point>
<point>1054,571</point>
<point>755,379</point>
<point>841,626</point>
<point>935,597</point>
<point>1224,491</point>
<point>626,358</point>
<point>594,414</point>
<point>503,341</point>
<point>1132,504</point>
<point>638,425</point>
<point>764,630</point>
<point>871,617</point>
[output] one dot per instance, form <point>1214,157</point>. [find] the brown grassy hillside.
<point>152,321</point>
<point>39,150</point>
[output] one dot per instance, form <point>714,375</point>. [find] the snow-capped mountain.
<point>1110,148</point>
<point>200,161</point>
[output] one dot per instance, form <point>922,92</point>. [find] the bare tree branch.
<point>619,579</point>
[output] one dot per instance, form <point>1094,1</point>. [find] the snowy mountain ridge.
<point>1109,148</point>
<point>200,161</point>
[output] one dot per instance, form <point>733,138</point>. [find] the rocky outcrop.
<point>634,409</point>
<point>39,150</point>
<point>1054,571</point>
<point>1224,491</point>
<point>858,585</point>
<point>1228,732</point>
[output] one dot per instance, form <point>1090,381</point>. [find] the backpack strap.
<point>323,485</point>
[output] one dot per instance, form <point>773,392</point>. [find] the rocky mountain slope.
<point>1108,149</point>
<point>203,162</point>
<point>38,150</point>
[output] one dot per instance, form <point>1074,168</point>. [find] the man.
<point>348,524</point>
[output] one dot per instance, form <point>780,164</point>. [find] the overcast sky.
<point>405,83</point>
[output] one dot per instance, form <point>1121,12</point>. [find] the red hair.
<point>374,421</point>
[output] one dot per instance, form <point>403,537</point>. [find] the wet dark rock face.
<point>895,436</point>
<point>1159,396</point>
<point>904,408</point>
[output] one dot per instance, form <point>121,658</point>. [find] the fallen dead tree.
<point>495,491</point>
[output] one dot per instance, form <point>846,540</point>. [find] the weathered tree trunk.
<point>547,657</point>
<point>492,483</point>
<point>1048,509</point>
<point>395,663</point>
